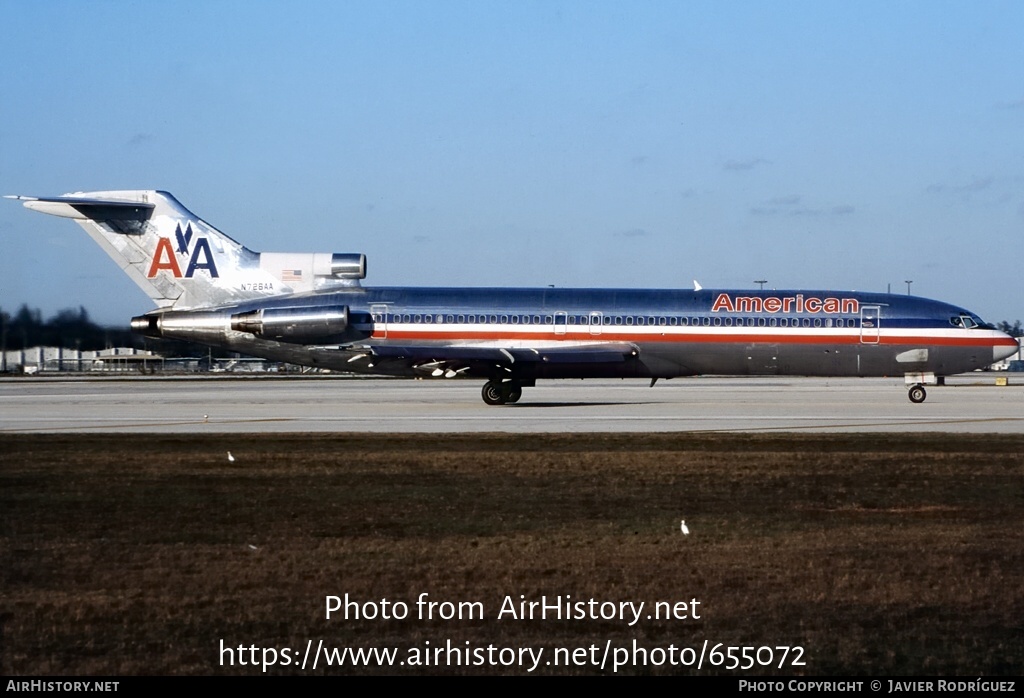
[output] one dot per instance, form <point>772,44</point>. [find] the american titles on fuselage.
<point>786,304</point>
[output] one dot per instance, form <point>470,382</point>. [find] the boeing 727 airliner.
<point>310,309</point>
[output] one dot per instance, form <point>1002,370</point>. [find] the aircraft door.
<point>560,322</point>
<point>596,318</point>
<point>763,359</point>
<point>870,319</point>
<point>379,313</point>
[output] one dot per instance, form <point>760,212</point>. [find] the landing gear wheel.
<point>493,394</point>
<point>515,392</point>
<point>917,394</point>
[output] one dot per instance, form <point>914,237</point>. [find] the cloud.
<point>744,165</point>
<point>139,139</point>
<point>978,184</point>
<point>1016,104</point>
<point>787,206</point>
<point>633,233</point>
<point>638,160</point>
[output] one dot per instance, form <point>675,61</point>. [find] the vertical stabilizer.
<point>178,259</point>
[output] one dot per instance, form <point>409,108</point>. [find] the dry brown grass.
<point>126,555</point>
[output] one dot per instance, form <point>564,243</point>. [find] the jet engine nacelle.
<point>301,270</point>
<point>298,325</point>
<point>346,266</point>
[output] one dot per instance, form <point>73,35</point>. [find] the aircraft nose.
<point>1005,347</point>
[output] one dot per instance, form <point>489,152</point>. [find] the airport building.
<point>126,359</point>
<point>119,359</point>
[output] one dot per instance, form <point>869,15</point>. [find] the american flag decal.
<point>291,275</point>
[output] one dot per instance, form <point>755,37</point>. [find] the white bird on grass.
<point>683,528</point>
<point>231,458</point>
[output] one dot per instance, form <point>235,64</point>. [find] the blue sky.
<point>831,145</point>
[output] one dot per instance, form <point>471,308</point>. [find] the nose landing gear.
<point>917,393</point>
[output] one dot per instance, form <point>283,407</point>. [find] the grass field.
<point>141,555</point>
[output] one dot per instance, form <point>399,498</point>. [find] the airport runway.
<point>971,403</point>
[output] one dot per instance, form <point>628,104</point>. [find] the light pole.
<point>762,282</point>
<point>908,282</point>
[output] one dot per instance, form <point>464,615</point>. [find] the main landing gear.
<point>917,393</point>
<point>501,393</point>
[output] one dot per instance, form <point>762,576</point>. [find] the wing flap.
<point>613,352</point>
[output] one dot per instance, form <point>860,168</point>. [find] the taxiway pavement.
<point>970,403</point>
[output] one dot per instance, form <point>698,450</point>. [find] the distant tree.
<point>72,329</point>
<point>5,322</point>
<point>26,317</point>
<point>1014,330</point>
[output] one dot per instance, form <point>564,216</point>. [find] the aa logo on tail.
<point>200,256</point>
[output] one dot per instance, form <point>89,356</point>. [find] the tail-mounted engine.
<point>311,324</point>
<point>306,272</point>
<point>300,325</point>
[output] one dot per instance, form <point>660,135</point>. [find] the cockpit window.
<point>968,322</point>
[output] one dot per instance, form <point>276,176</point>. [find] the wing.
<point>453,360</point>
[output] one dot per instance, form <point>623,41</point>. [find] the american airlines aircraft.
<point>310,309</point>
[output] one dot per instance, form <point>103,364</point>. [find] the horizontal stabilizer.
<point>81,208</point>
